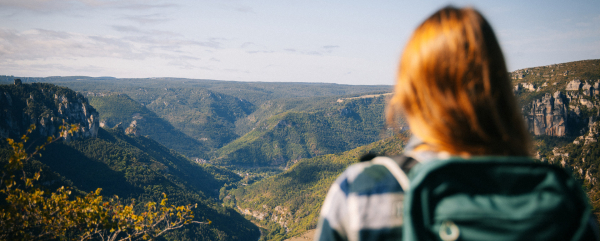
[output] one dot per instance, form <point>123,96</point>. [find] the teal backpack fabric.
<point>494,198</point>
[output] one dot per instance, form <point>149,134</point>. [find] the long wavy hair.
<point>454,89</point>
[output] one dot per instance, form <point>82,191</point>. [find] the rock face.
<point>279,215</point>
<point>583,167</point>
<point>529,87</point>
<point>78,111</point>
<point>574,85</point>
<point>133,129</point>
<point>48,107</point>
<point>548,116</point>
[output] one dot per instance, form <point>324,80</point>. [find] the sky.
<point>345,42</point>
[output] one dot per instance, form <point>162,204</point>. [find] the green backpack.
<point>492,198</point>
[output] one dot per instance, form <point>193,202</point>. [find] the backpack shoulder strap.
<point>394,169</point>
<point>405,162</point>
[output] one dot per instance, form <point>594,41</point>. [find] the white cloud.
<point>126,28</point>
<point>46,5</point>
<point>63,5</point>
<point>140,31</point>
<point>38,48</point>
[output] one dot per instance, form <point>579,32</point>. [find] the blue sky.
<point>346,42</point>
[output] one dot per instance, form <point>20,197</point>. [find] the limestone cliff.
<point>562,114</point>
<point>548,116</point>
<point>47,106</point>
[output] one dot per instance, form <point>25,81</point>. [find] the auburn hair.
<point>454,89</point>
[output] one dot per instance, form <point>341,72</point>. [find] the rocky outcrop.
<point>588,89</point>
<point>574,85</point>
<point>133,129</point>
<point>280,215</point>
<point>583,167</point>
<point>47,107</point>
<point>529,86</point>
<point>78,111</point>
<point>592,135</point>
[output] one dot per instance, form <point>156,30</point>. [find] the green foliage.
<point>32,213</point>
<point>545,144</point>
<point>204,115</point>
<point>270,108</point>
<point>140,168</point>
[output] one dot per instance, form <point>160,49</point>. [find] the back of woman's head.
<point>454,90</point>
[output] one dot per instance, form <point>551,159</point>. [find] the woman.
<point>453,89</point>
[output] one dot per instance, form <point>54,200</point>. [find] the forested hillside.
<point>138,120</point>
<point>285,138</point>
<point>202,114</point>
<point>205,116</point>
<point>125,165</point>
<point>289,203</point>
<point>140,168</point>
